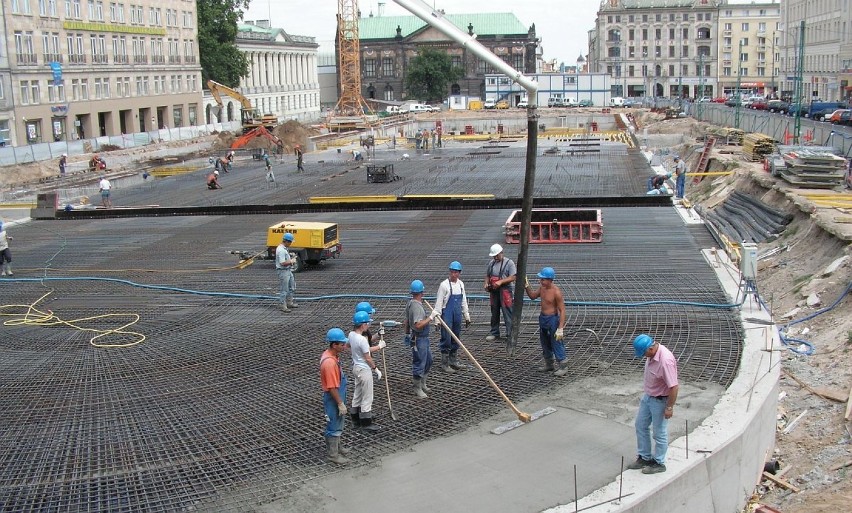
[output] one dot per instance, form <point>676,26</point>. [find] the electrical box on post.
<point>748,261</point>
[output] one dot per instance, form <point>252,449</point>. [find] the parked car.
<point>824,114</point>
<point>490,104</point>
<point>834,117</point>
<point>633,102</point>
<point>502,104</point>
<point>777,106</point>
<point>585,103</point>
<point>616,101</point>
<point>758,104</point>
<point>523,104</point>
<point>733,102</point>
<point>845,118</point>
<point>570,102</point>
<point>555,101</point>
<point>704,99</point>
<point>802,110</point>
<point>719,99</point>
<point>820,108</point>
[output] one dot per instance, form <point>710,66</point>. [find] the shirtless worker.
<point>550,322</point>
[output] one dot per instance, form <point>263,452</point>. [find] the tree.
<point>220,58</point>
<point>430,74</point>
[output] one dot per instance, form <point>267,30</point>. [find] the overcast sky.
<point>562,25</point>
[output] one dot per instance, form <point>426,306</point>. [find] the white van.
<point>616,101</point>
<point>416,108</point>
<point>490,104</point>
<point>570,102</point>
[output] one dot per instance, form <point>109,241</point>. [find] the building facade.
<point>389,43</point>
<point>657,47</point>
<point>748,54</point>
<point>76,69</point>
<point>827,50</point>
<point>282,78</point>
<point>593,87</point>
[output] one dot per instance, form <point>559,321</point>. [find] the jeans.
<point>496,309</point>
<point>288,285</point>
<point>421,357</point>
<point>651,414</point>
<point>550,347</point>
<point>680,185</point>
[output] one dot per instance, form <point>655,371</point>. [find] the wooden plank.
<point>842,465</point>
<point>831,393</point>
<point>780,482</point>
<point>849,406</point>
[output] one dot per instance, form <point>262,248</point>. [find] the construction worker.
<point>680,174</point>
<point>300,168</point>
<point>499,283</point>
<point>5,253</point>
<point>104,187</point>
<point>551,321</point>
<point>284,262</point>
<point>63,164</point>
<point>372,338</point>
<point>657,404</point>
<point>213,181</point>
<point>451,304</point>
<point>656,184</point>
<point>417,336</point>
<point>333,382</point>
<point>267,161</point>
<point>363,367</point>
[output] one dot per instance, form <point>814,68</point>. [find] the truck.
<point>250,117</point>
<point>313,242</point>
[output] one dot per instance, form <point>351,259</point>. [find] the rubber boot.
<point>291,303</point>
<point>423,384</point>
<point>4,270</point>
<point>354,414</point>
<point>9,269</point>
<point>547,366</point>
<point>454,361</point>
<point>561,368</point>
<point>333,445</point>
<point>284,308</point>
<point>367,423</point>
<point>445,363</point>
<point>418,389</point>
<point>343,450</point>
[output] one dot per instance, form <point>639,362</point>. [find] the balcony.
<point>189,59</point>
<point>99,59</point>
<point>726,48</point>
<point>52,57</point>
<point>120,59</point>
<point>27,59</point>
<point>140,59</point>
<point>726,63</point>
<point>158,59</point>
<point>726,32</point>
<point>77,59</point>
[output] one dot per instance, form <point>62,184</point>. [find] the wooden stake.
<point>780,482</point>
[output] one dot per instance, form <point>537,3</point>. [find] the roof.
<point>253,31</point>
<point>647,4</point>
<point>484,24</point>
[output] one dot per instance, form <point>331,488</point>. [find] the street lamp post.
<point>739,81</point>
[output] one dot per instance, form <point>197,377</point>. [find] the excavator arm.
<point>260,131</point>
<point>216,89</point>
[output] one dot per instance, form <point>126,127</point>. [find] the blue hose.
<point>794,343</point>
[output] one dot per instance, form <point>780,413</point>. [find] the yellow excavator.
<point>250,117</point>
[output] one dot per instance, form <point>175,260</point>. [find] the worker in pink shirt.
<point>657,404</point>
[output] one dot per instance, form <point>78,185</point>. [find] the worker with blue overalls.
<point>284,262</point>
<point>550,322</point>
<point>680,173</point>
<point>451,304</point>
<point>333,383</point>
<point>417,336</point>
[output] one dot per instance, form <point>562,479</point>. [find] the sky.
<point>562,25</point>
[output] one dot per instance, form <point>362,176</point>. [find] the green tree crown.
<point>430,74</point>
<point>219,56</point>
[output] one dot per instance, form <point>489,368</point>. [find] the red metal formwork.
<point>557,226</point>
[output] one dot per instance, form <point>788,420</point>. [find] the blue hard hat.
<point>641,344</point>
<point>336,335</point>
<point>360,318</point>
<point>288,237</point>
<point>417,286</point>
<point>364,306</point>
<point>547,273</point>
<point>455,266</point>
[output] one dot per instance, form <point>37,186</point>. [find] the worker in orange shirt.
<point>333,382</point>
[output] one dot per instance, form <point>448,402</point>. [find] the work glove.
<point>381,344</point>
<point>342,409</point>
<point>435,319</point>
<point>467,321</point>
<point>527,281</point>
<point>559,334</point>
<point>378,374</point>
<point>407,341</point>
<point>381,330</point>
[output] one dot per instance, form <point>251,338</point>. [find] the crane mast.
<point>351,102</point>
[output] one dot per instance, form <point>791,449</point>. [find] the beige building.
<point>78,69</point>
<point>657,47</point>
<point>827,63</point>
<point>747,51</point>
<point>282,79</point>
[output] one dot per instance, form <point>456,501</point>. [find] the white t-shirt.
<point>358,346</point>
<point>4,242</point>
<point>104,185</point>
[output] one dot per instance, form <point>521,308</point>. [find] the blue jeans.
<point>652,414</point>
<point>334,426</point>
<point>421,355</point>
<point>497,308</point>
<point>288,285</point>
<point>550,347</point>
<point>680,185</point>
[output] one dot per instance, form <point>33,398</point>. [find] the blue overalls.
<point>334,426</point>
<point>550,347</point>
<point>452,315</point>
<point>421,353</point>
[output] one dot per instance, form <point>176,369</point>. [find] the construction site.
<point>148,368</point>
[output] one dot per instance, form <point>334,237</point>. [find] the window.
<point>644,18</point>
<point>187,19</point>
<point>154,17</point>
<point>761,27</point>
<point>192,115</point>
<point>188,50</point>
<point>745,27</point>
<point>98,47</point>
<point>631,35</point>
<point>387,67</point>
<point>671,33</point>
<point>671,51</point>
<point>743,57</point>
<point>25,92</point>
<point>24,48</point>
<point>699,16</point>
<point>21,7</point>
<point>658,17</point>
<point>744,72</point>
<point>50,43</point>
<point>671,16</point>
<point>175,82</point>
<point>671,70</point>
<point>685,33</point>
<point>116,12</point>
<point>658,34</point>
<point>177,115</point>
<point>684,69</point>
<point>119,49</point>
<point>518,62</point>
<point>456,61</point>
<point>708,16</point>
<point>684,51</point>
<point>369,67</point>
<point>98,89</point>
<point>192,83</point>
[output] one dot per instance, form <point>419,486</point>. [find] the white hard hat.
<point>216,173</point>
<point>496,249</point>
<point>64,154</point>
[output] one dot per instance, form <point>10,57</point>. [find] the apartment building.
<point>827,50</point>
<point>77,69</point>
<point>282,77</point>
<point>748,53</point>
